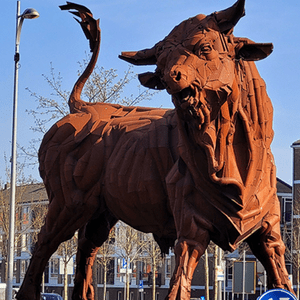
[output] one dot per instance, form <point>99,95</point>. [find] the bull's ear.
<point>229,17</point>
<point>140,58</point>
<point>151,80</point>
<point>253,51</point>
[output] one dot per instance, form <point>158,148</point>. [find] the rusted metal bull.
<point>201,172</point>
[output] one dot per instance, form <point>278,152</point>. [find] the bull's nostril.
<point>178,76</point>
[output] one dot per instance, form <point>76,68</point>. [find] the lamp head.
<point>30,13</point>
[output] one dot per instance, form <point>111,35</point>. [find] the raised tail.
<point>91,29</point>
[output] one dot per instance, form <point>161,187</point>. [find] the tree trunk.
<point>216,277</point>
<point>43,283</point>
<point>95,281</point>
<point>65,281</point>
<point>153,270</point>
<point>127,280</point>
<point>206,271</point>
<point>127,286</point>
<point>104,281</point>
<point>298,275</point>
<point>154,279</point>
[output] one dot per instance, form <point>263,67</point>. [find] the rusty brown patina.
<point>207,169</point>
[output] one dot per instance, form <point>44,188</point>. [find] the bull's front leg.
<point>267,245</point>
<point>187,254</point>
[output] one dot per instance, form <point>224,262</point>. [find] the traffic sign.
<point>220,273</point>
<point>141,286</point>
<point>277,294</point>
<point>125,271</point>
<point>124,264</point>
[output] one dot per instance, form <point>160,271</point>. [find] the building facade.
<point>296,215</point>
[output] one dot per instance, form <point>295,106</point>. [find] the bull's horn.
<point>229,17</point>
<point>140,58</point>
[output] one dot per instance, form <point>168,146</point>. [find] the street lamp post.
<point>29,13</point>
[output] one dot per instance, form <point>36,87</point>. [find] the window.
<point>24,266</point>
<point>54,267</point>
<point>145,272</point>
<point>24,242</point>
<point>133,266</point>
<point>25,216</point>
<point>119,266</point>
<point>27,243</point>
<point>229,273</point>
<point>287,237</point>
<point>111,272</point>
<point>168,267</point>
<point>15,268</point>
<point>287,210</point>
<point>289,268</point>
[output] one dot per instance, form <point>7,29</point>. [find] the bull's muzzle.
<point>179,78</point>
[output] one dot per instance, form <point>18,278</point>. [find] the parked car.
<point>51,296</point>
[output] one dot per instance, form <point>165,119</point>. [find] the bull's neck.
<point>211,137</point>
<point>242,116</point>
<point>75,101</point>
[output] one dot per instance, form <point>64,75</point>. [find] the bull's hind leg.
<point>187,254</point>
<point>60,225</point>
<point>267,245</point>
<point>85,257</point>
<point>91,237</point>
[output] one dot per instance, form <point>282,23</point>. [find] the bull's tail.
<point>91,29</point>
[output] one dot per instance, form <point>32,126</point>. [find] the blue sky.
<point>137,24</point>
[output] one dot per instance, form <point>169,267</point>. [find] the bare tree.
<point>105,256</point>
<point>66,251</point>
<point>152,252</point>
<point>102,86</point>
<point>128,246</point>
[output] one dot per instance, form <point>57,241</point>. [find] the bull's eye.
<point>206,50</point>
<point>203,47</point>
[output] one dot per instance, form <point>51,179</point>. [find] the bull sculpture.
<point>203,171</point>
